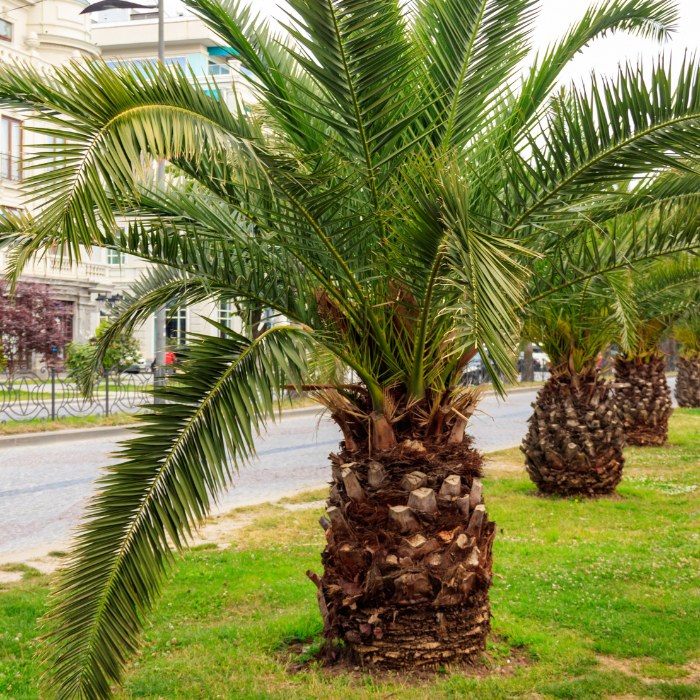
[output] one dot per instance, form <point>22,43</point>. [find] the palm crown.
<point>383,198</point>
<point>580,299</point>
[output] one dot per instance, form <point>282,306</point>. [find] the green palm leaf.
<point>146,507</point>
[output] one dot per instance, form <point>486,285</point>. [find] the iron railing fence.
<point>48,395</point>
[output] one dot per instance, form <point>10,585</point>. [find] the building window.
<point>176,326</point>
<point>5,30</point>
<point>64,314</point>
<point>114,257</point>
<point>52,141</point>
<point>10,148</point>
<point>226,314</point>
<point>219,68</point>
<point>180,61</point>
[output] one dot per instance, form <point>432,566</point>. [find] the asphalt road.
<point>44,488</point>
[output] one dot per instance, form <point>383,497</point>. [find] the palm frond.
<point>147,506</point>
<point>473,49</point>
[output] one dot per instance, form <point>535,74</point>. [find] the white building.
<point>49,33</point>
<point>132,35</point>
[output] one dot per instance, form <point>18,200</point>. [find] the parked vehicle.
<point>138,367</point>
<point>540,360</point>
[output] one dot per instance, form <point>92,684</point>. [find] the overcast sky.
<point>604,55</point>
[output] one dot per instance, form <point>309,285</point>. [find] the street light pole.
<point>161,31</point>
<point>160,174</point>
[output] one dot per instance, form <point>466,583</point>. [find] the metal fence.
<point>48,395</point>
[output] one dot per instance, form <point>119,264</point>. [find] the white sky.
<point>604,55</point>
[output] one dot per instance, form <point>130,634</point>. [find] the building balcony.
<point>53,266</point>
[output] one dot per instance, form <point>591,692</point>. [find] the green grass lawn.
<point>42,425</point>
<point>592,599</point>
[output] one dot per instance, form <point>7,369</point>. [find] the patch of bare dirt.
<point>636,669</point>
<point>219,529</point>
<point>494,469</point>
<point>10,576</point>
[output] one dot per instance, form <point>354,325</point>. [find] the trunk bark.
<point>407,567</point>
<point>575,440</point>
<point>688,382</point>
<point>644,400</point>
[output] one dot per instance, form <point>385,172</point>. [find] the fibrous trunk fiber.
<point>575,440</point>
<point>688,382</point>
<point>644,400</point>
<point>407,568</point>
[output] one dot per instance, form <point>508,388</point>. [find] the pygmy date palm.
<point>663,292</point>
<point>687,332</point>
<point>577,432</point>
<point>381,199</point>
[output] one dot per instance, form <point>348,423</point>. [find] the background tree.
<point>663,292</point>
<point>384,203</point>
<point>30,323</point>
<point>687,332</point>
<point>122,352</point>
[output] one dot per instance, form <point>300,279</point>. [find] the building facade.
<point>48,34</point>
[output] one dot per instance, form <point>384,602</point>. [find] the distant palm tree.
<point>382,201</point>
<point>663,292</point>
<point>687,331</point>
<point>579,427</point>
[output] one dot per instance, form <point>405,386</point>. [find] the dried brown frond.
<point>464,401</point>
<point>337,403</point>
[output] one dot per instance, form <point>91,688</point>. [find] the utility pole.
<point>161,313</point>
<point>101,6</point>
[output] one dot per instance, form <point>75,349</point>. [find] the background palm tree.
<point>687,332</point>
<point>576,436</point>
<point>381,203</point>
<point>663,292</point>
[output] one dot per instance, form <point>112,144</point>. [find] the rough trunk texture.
<point>575,440</point>
<point>688,382</point>
<point>407,567</point>
<point>644,399</point>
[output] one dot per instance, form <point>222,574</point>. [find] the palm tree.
<point>380,201</point>
<point>687,331</point>
<point>576,436</point>
<point>663,292</point>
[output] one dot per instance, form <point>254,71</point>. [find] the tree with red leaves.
<point>30,323</point>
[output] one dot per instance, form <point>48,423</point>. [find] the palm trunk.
<point>644,400</point>
<point>407,567</point>
<point>688,382</point>
<point>575,440</point>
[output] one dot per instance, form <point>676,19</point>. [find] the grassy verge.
<point>592,600</point>
<point>38,425</point>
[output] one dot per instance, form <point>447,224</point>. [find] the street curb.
<point>490,450</point>
<point>57,436</point>
<point>119,431</point>
<point>108,432</point>
<point>517,390</point>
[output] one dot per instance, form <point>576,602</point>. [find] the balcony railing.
<point>53,265</point>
